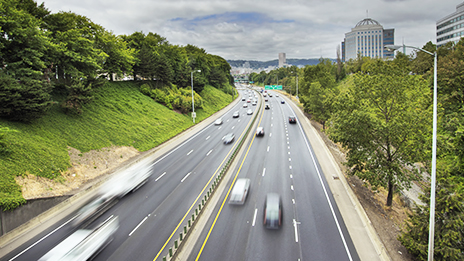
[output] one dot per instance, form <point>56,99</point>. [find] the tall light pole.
<point>193,100</point>
<point>434,147</point>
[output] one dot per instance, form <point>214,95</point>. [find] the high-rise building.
<point>282,60</point>
<point>451,27</point>
<point>368,38</point>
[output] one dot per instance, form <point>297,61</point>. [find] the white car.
<point>245,105</point>
<point>239,192</point>
<point>218,121</point>
<point>249,112</point>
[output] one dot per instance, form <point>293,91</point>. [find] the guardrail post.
<point>164,258</point>
<point>189,223</point>
<point>181,235</point>
<point>175,244</point>
<point>199,207</point>
<point>196,212</point>
<point>193,217</point>
<point>185,229</point>
<point>170,252</point>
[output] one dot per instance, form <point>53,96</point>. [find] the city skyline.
<point>258,30</point>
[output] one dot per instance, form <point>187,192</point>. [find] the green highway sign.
<point>273,87</point>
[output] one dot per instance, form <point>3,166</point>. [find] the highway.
<point>283,162</point>
<point>152,215</point>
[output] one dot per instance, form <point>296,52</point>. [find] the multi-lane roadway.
<point>282,161</point>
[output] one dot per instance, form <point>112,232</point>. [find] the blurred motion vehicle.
<point>121,183</point>
<point>277,95</point>
<point>250,112</point>
<point>260,131</point>
<point>236,114</point>
<point>254,103</point>
<point>239,192</point>
<point>243,99</point>
<point>228,138</point>
<point>273,211</point>
<point>282,101</point>
<point>218,121</point>
<point>270,94</point>
<point>245,105</point>
<point>267,107</point>
<point>84,244</point>
<point>291,119</point>
<point>93,210</point>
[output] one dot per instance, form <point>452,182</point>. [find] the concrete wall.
<point>10,220</point>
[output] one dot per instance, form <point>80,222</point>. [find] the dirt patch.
<point>86,167</point>
<point>387,221</point>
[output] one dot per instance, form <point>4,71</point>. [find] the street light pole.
<point>434,148</point>
<point>193,100</point>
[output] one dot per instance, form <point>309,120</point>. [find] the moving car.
<point>245,105</point>
<point>94,209</point>
<point>249,112</point>
<point>282,101</point>
<point>291,119</point>
<point>239,191</point>
<point>254,103</point>
<point>84,244</point>
<point>277,95</point>
<point>267,107</point>
<point>265,99</point>
<point>218,121</point>
<point>236,114</point>
<point>228,138</point>
<point>273,211</point>
<point>260,131</point>
<point>243,99</point>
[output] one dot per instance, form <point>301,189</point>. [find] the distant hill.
<point>259,64</point>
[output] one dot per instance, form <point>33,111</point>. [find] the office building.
<point>367,38</point>
<point>451,27</point>
<point>282,60</point>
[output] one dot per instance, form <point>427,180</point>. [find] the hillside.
<point>120,115</point>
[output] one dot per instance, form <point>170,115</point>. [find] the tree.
<point>383,121</point>
<point>449,224</point>
<point>24,91</point>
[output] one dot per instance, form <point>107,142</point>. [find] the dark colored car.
<point>236,114</point>
<point>291,119</point>
<point>282,101</point>
<point>260,131</point>
<point>267,107</point>
<point>229,138</point>
<point>273,211</point>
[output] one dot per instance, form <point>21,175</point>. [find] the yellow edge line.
<point>199,195</point>
<point>227,195</point>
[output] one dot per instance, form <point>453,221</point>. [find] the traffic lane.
<point>321,223</point>
<point>179,205</point>
<point>269,181</point>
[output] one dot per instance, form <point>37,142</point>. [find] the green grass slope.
<point>119,115</point>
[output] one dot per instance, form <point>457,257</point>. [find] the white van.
<point>239,191</point>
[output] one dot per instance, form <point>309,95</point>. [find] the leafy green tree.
<point>383,122</point>
<point>24,91</point>
<point>449,224</point>
<point>120,58</point>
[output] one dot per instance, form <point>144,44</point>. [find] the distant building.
<point>367,38</point>
<point>282,60</point>
<point>451,27</point>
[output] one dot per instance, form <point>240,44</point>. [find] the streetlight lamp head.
<point>391,47</point>
<point>198,70</point>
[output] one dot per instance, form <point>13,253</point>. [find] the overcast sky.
<point>260,29</point>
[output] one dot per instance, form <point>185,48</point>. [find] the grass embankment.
<point>119,115</point>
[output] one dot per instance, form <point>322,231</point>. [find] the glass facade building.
<point>367,38</point>
<point>451,27</point>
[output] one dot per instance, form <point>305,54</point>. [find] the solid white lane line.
<point>208,137</point>
<point>186,176</point>
<point>189,152</point>
<point>141,222</point>
<point>209,152</point>
<point>160,176</point>
<point>254,217</point>
<point>296,230</point>
<point>264,171</point>
<point>40,240</point>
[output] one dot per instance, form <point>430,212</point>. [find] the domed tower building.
<point>368,38</point>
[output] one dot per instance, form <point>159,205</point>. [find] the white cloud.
<point>260,29</point>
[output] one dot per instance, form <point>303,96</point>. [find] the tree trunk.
<point>390,194</point>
